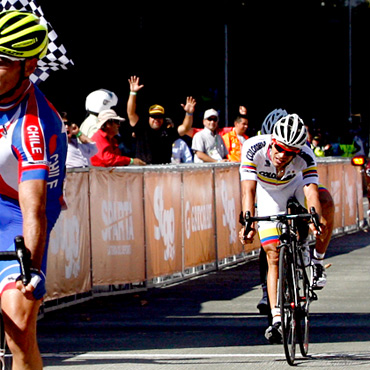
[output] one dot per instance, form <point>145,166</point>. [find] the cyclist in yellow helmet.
<point>33,148</point>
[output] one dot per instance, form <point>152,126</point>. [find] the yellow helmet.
<point>22,35</point>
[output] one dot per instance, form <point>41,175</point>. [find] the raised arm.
<point>189,108</point>
<point>135,87</point>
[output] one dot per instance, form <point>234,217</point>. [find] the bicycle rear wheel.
<point>287,305</point>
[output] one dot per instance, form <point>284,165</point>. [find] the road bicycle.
<point>295,291</point>
<point>23,256</point>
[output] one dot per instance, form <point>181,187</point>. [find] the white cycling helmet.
<point>291,131</point>
<point>100,100</point>
<point>271,119</point>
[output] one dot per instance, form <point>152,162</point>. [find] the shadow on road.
<point>171,318</point>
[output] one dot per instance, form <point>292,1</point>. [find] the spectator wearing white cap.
<point>208,145</point>
<point>109,154</point>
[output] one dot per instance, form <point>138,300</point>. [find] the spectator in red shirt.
<point>109,154</point>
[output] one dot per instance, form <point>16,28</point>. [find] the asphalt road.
<point>211,322</point>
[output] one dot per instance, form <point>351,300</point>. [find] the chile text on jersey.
<point>33,146</point>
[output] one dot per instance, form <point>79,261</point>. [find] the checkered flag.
<point>56,57</point>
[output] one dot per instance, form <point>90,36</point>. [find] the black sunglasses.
<point>214,119</point>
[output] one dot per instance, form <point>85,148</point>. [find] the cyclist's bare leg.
<point>327,209</point>
<point>272,255</point>
<point>20,318</point>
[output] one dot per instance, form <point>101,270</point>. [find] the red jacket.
<point>108,154</point>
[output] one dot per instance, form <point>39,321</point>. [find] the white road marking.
<point>148,355</point>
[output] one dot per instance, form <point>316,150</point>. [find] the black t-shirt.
<point>126,140</point>
<point>154,146</point>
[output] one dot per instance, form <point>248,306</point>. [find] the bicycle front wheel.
<point>303,315</point>
<point>287,304</point>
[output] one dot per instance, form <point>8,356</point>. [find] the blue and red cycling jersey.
<point>33,146</point>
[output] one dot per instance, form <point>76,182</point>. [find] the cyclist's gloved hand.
<point>36,286</point>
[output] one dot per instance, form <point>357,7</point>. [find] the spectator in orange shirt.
<point>235,138</point>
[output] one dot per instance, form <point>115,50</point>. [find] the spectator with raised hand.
<point>154,138</point>
<point>109,154</point>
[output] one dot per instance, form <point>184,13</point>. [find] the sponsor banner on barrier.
<point>322,171</point>
<point>228,208</point>
<point>350,207</point>
<point>199,218</point>
<point>163,223</point>
<point>117,227</point>
<point>335,181</point>
<point>69,247</point>
<point>360,192</point>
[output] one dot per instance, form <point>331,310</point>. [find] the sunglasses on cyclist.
<point>289,152</point>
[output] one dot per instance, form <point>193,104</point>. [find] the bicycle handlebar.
<point>247,220</point>
<point>22,255</point>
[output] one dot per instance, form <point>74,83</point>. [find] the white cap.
<point>107,115</point>
<point>210,113</point>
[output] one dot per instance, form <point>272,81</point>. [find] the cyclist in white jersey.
<point>273,169</point>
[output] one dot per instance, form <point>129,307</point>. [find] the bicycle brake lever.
<point>315,220</point>
<point>247,223</point>
<point>241,218</point>
<point>23,255</point>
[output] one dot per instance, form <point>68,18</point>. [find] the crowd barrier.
<point>131,227</point>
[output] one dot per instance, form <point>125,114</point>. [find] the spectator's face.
<point>68,130</point>
<point>156,121</point>
<point>211,123</point>
<point>241,126</point>
<point>112,128</point>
